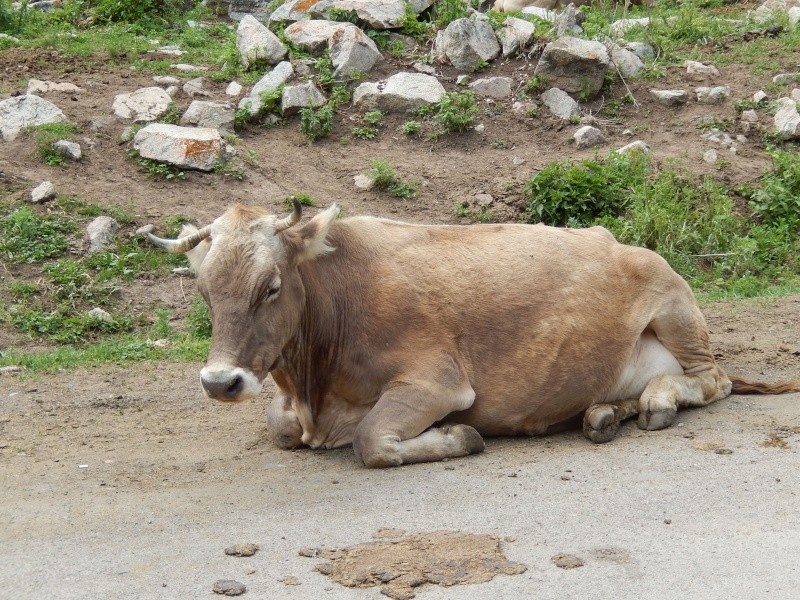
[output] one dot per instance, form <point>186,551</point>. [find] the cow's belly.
<point>544,408</point>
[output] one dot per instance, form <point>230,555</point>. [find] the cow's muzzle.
<point>229,384</point>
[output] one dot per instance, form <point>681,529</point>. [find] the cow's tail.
<point>742,386</point>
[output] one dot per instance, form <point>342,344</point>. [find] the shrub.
<point>30,237</point>
<point>386,179</point>
<point>777,199</point>
<point>317,123</point>
<point>456,110</point>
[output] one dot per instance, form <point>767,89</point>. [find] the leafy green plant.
<point>47,135</point>
<point>411,127</point>
<point>365,133</point>
<point>410,25</point>
<point>445,12</point>
<point>777,198</point>
<point>482,214</point>
<point>386,179</point>
<point>198,319</point>
<point>374,118</point>
<point>456,111</point>
<point>302,197</point>
<point>161,170</point>
<point>28,236</point>
<point>317,123</point>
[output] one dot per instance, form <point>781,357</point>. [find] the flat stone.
<point>24,111</point>
<point>574,65</point>
<point>38,87</point>
<point>713,95</point>
<point>229,587</point>
<point>296,97</point>
<point>313,35</point>
<point>216,115</point>
<point>166,80</point>
<point>242,550</point>
<point>637,146</point>
<point>380,14</point>
<point>238,9</point>
<point>560,103</point>
<point>718,137</point>
<point>187,68</point>
<point>43,192</point>
<point>628,63</point>
<point>145,104</point>
<point>185,147</point>
<point>670,97</point>
<point>257,43</point>
<point>71,150</point>
<point>710,156</point>
<point>101,232</point>
<point>492,87</point>
<point>402,92</point>
<point>786,78</point>
<point>697,68</point>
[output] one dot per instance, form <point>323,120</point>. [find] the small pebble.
<point>229,587</point>
<point>242,550</point>
<point>723,451</point>
<point>567,561</point>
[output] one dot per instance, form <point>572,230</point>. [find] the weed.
<point>172,116</point>
<point>410,127</point>
<point>302,197</point>
<point>230,170</point>
<point>198,319</point>
<point>31,237</point>
<point>478,215</point>
<point>445,12</point>
<point>456,110</point>
<point>410,25</point>
<point>365,133</point>
<point>161,327</point>
<point>387,179</point>
<point>160,170</point>
<point>317,123</point>
<point>374,118</point>
<point>536,84</point>
<point>777,198</point>
<point>47,135</point>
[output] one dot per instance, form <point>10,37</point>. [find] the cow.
<point>412,342</point>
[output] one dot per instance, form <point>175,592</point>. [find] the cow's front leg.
<point>283,426</point>
<point>398,430</point>
<point>601,421</point>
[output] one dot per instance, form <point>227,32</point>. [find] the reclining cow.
<point>412,342</point>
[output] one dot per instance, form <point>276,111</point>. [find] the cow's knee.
<point>376,451</point>
<point>283,426</point>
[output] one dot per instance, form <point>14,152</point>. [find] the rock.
<point>185,147</point>
<point>270,82</point>
<point>352,52</point>
<point>626,61</point>
<point>710,156</point>
<point>194,88</point>
<point>467,44</point>
<point>364,182</point>
<point>423,68</point>
<point>713,95</point>
<point>242,550</point>
<point>619,28</point>
<point>718,137</point>
<point>567,22</point>
<point>515,35</point>
<point>186,68</point>
<point>172,90</point>
<point>168,51</point>
<point>697,68</point>
<point>786,78</point>
<point>670,97</point>
<point>312,35</point>
<point>293,10</point>
<point>588,137</point>
<point>11,369</point>
<point>541,13</point>
<point>463,80</point>
<point>749,116</point>
<point>794,16</point>
<point>560,103</point>
<point>257,43</point>
<point>216,115</point>
<point>28,110</point>
<point>238,9</point>
<point>43,192</point>
<point>492,87</point>
<point>380,14</point>
<point>787,119</point>
<point>68,149</point>
<point>760,96</point>
<point>641,49</point>
<point>296,97</point>
<point>574,65</point>
<point>229,587</point>
<point>145,104</point>
<point>234,89</point>
<point>98,314</point>
<point>795,95</point>
<point>402,92</point>
<point>524,109</point>
<point>37,86</point>
<point>637,146</point>
<point>166,80</point>
<point>101,232</point>
<point>4,37</point>
<point>483,199</point>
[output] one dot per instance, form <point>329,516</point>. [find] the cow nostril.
<point>235,386</point>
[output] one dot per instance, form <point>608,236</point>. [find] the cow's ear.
<point>197,254</point>
<point>313,235</point>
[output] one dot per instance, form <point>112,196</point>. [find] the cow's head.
<point>246,264</point>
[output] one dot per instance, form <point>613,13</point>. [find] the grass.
<point>386,179</point>
<point>47,135</point>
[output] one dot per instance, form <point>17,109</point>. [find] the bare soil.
<point>125,482</point>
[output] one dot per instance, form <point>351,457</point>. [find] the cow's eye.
<point>272,293</point>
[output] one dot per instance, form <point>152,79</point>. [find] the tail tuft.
<point>742,386</point>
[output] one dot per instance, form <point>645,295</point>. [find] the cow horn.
<point>292,219</point>
<point>183,244</point>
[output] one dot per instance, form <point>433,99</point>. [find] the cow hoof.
<point>467,438</point>
<point>660,419</point>
<point>600,423</point>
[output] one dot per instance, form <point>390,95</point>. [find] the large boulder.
<point>216,115</point>
<point>238,9</point>
<point>143,105</point>
<point>787,119</point>
<point>561,104</point>
<point>26,111</point>
<point>184,147</point>
<point>282,73</point>
<point>515,35</point>
<point>352,52</point>
<point>467,44</point>
<point>402,92</point>
<point>380,14</point>
<point>257,43</point>
<point>313,35</point>
<point>574,65</point>
<point>295,97</point>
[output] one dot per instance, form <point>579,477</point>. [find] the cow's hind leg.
<point>601,421</point>
<point>398,429</point>
<point>684,333</point>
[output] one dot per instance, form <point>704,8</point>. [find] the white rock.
<point>172,90</point>
<point>69,149</point>
<point>296,97</point>
<point>215,115</point>
<point>637,146</point>
<point>380,14</point>
<point>37,86</point>
<point>364,182</point>
<point>26,111</point>
<point>588,137</point>
<point>697,68</point>
<point>145,104</point>
<point>492,87</point>
<point>560,103</point>
<point>402,92</point>
<point>312,35</point>
<point>100,315</point>
<point>194,88</point>
<point>234,89</point>
<point>619,28</point>
<point>43,192</point>
<point>641,49</point>
<point>516,35</point>
<point>169,51</point>
<point>101,232</point>
<point>628,63</point>
<point>270,82</point>
<point>574,65</point>
<point>787,119</point>
<point>467,44</point>
<point>670,97</point>
<point>463,80</point>
<point>710,156</point>
<point>185,147</point>
<point>713,95</point>
<point>186,68</point>
<point>718,137</point>
<point>760,95</point>
<point>423,68</point>
<point>541,13</point>
<point>795,95</point>
<point>257,43</point>
<point>786,78</point>
<point>749,116</point>
<point>794,16</point>
<point>166,80</point>
<point>352,52</point>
